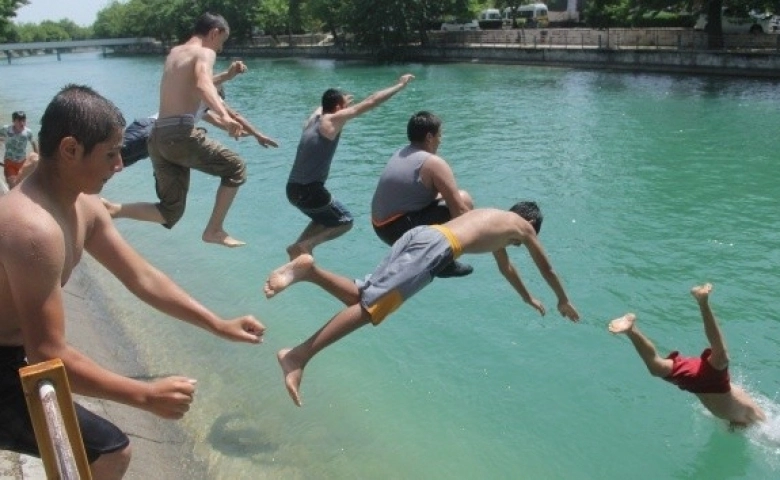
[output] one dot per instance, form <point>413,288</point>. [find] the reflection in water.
<point>231,435</point>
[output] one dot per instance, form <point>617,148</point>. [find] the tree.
<point>8,10</point>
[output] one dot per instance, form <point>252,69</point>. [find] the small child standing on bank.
<point>17,162</point>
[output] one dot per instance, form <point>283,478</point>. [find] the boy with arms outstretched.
<point>412,263</point>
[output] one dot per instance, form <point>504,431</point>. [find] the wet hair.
<point>221,91</point>
<point>80,112</point>
<point>331,99</point>
<point>531,212</point>
<point>421,124</point>
<point>207,21</point>
<point>18,115</point>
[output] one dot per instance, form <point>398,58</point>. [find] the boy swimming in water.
<point>706,376</point>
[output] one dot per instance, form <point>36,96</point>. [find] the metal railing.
<point>50,404</point>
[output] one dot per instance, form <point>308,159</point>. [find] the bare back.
<point>487,230</point>
<point>735,406</point>
<point>179,93</point>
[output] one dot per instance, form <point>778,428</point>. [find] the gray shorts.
<point>176,147</point>
<point>412,263</point>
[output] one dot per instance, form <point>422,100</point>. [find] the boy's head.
<point>19,118</point>
<point>530,212</point>
<point>79,112</point>
<point>208,22</point>
<point>332,99</point>
<point>213,29</point>
<point>421,125</point>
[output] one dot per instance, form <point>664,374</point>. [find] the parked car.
<point>456,26</point>
<point>735,22</point>
<point>490,19</point>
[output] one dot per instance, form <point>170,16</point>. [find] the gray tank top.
<point>399,189</point>
<point>315,153</point>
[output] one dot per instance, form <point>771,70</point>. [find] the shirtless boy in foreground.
<point>49,222</point>
<point>412,263</point>
<point>706,376</point>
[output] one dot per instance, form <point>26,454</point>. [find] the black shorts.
<point>16,431</point>
<point>315,201</point>
<point>434,214</point>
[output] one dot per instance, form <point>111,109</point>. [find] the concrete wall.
<point>759,64</point>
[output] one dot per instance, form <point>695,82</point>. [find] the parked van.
<point>490,19</point>
<point>534,15</point>
<point>733,21</point>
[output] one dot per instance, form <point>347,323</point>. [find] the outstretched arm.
<point>155,288</point>
<point>252,130</point>
<point>545,268</point>
<point>233,70</point>
<point>247,130</point>
<point>509,272</point>
<point>374,100</point>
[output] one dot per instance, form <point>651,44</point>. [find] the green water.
<point>650,184</point>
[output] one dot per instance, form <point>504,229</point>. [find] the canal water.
<point>649,183</point>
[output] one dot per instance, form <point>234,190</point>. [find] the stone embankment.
<point>650,50</point>
<point>659,50</point>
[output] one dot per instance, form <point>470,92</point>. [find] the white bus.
<point>534,15</point>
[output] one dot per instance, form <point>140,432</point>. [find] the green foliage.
<point>656,19</point>
<point>8,10</point>
<point>49,31</point>
<point>607,13</point>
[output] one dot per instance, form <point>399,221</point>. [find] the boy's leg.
<point>658,366</point>
<point>719,358</point>
<point>302,268</point>
<point>111,465</point>
<point>215,230</point>
<point>293,360</point>
<point>330,220</point>
<point>313,235</point>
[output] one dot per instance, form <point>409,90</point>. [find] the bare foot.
<point>622,324</point>
<point>296,250</point>
<point>293,374</point>
<point>702,292</point>
<point>220,237</point>
<point>113,208</point>
<point>287,274</point>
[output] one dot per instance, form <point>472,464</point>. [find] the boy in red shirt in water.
<point>706,376</point>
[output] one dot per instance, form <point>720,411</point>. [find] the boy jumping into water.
<point>412,263</point>
<point>306,189</point>
<point>706,376</point>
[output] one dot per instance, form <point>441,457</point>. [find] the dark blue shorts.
<point>315,201</point>
<point>16,431</point>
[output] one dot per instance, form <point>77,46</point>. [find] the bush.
<point>663,20</point>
